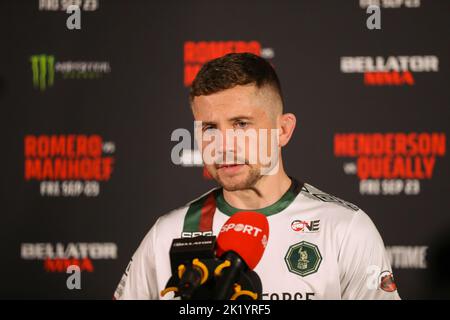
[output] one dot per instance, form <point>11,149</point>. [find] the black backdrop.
<point>122,79</point>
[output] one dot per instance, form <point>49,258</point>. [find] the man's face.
<point>244,109</point>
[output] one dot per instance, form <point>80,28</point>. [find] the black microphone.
<point>192,260</point>
<point>192,276</point>
<point>228,276</point>
<point>203,268</point>
<point>198,274</point>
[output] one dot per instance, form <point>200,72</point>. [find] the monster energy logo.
<point>43,68</point>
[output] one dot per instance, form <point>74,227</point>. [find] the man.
<point>320,247</point>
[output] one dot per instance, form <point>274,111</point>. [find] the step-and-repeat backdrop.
<point>90,100</point>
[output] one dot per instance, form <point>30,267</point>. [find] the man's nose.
<point>226,143</point>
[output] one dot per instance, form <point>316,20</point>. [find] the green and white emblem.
<point>303,258</point>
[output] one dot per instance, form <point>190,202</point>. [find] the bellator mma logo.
<point>58,257</point>
<point>390,163</point>
<point>390,71</point>
<point>68,165</point>
<point>198,53</point>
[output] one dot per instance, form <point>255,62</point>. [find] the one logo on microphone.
<point>303,258</point>
<point>244,228</point>
<point>303,226</point>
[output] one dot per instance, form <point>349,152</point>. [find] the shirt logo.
<point>387,282</point>
<point>303,258</point>
<point>303,226</point>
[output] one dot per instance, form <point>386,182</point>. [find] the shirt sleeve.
<point>139,280</point>
<point>365,271</point>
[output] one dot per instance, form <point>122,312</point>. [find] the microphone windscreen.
<point>246,233</point>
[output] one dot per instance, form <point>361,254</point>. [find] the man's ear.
<point>287,122</point>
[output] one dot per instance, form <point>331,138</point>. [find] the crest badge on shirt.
<point>303,258</point>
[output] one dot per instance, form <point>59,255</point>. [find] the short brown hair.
<point>231,70</point>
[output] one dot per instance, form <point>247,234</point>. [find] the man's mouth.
<point>230,168</point>
<point>227,165</point>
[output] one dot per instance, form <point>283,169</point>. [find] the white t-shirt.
<point>320,247</point>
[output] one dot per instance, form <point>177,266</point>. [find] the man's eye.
<point>207,128</point>
<point>241,124</point>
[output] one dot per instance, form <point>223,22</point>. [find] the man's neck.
<point>267,191</point>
